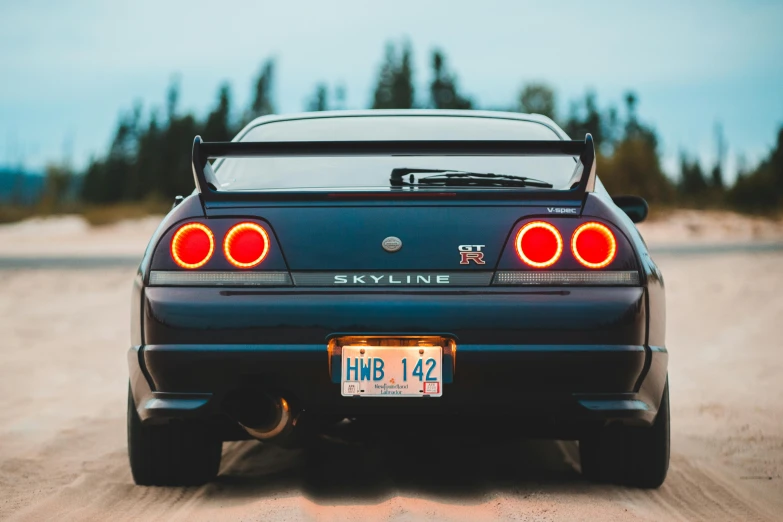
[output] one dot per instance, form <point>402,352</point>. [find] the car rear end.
<point>257,313</point>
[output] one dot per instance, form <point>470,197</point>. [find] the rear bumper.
<point>548,383</point>
<point>550,355</point>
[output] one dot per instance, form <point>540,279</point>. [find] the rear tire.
<point>629,455</point>
<point>173,454</point>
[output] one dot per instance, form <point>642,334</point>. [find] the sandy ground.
<point>73,236</point>
<point>710,227</point>
<point>62,421</point>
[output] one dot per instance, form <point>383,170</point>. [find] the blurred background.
<point>99,102</point>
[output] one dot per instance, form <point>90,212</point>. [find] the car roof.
<point>501,115</point>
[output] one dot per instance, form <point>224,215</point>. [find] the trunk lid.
<point>351,237</point>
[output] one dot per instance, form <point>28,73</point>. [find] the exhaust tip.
<point>274,419</point>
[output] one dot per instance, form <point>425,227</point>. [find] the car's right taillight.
<point>593,245</point>
<point>599,255</point>
<point>192,245</point>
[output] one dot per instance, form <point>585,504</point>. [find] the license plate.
<point>392,371</point>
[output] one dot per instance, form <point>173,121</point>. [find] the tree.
<point>633,167</point>
<point>340,95</point>
<point>634,129</point>
<point>174,175</point>
<point>152,161</point>
<point>149,156</point>
<point>537,98</point>
<point>761,190</point>
<point>172,98</point>
<point>319,100</point>
<point>720,151</point>
<point>108,181</point>
<point>148,161</point>
<point>443,89</point>
<point>692,185</point>
<point>218,126</point>
<point>582,120</point>
<point>57,187</point>
<point>394,88</point>
<point>612,129</point>
<point>126,138</point>
<point>632,122</point>
<point>262,94</point>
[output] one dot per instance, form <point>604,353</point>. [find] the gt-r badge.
<point>470,253</point>
<point>391,244</point>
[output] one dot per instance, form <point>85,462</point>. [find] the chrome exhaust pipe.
<point>277,419</point>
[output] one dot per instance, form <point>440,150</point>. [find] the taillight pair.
<point>539,244</point>
<point>245,245</point>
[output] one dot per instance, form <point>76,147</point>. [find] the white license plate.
<point>392,371</point>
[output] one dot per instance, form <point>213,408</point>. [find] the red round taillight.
<point>539,244</point>
<point>594,245</point>
<point>246,245</point>
<point>192,245</point>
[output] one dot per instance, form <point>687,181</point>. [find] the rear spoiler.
<point>207,184</point>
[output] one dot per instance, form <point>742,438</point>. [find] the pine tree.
<point>394,88</point>
<point>577,125</point>
<point>761,190</point>
<point>319,100</point>
<point>443,89</point>
<point>218,126</point>
<point>172,98</point>
<point>692,185</point>
<point>634,165</point>
<point>262,94</point>
<point>720,153</point>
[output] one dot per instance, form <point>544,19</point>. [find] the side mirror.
<point>634,206</point>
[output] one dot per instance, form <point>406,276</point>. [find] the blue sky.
<point>70,68</point>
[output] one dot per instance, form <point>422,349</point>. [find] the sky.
<point>69,69</point>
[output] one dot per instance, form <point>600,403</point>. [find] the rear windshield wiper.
<point>461,178</point>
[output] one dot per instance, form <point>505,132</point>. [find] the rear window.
<point>372,173</point>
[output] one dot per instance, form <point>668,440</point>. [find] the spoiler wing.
<point>206,182</point>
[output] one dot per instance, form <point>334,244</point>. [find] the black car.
<point>405,266</point>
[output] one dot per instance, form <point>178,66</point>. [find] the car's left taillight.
<point>246,245</point>
<point>218,252</point>
<point>192,245</point>
<point>539,244</point>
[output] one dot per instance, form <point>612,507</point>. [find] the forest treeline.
<point>149,155</point>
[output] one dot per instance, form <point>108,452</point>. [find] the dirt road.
<point>62,423</point>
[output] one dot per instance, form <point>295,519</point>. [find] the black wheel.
<point>173,454</point>
<point>629,455</point>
